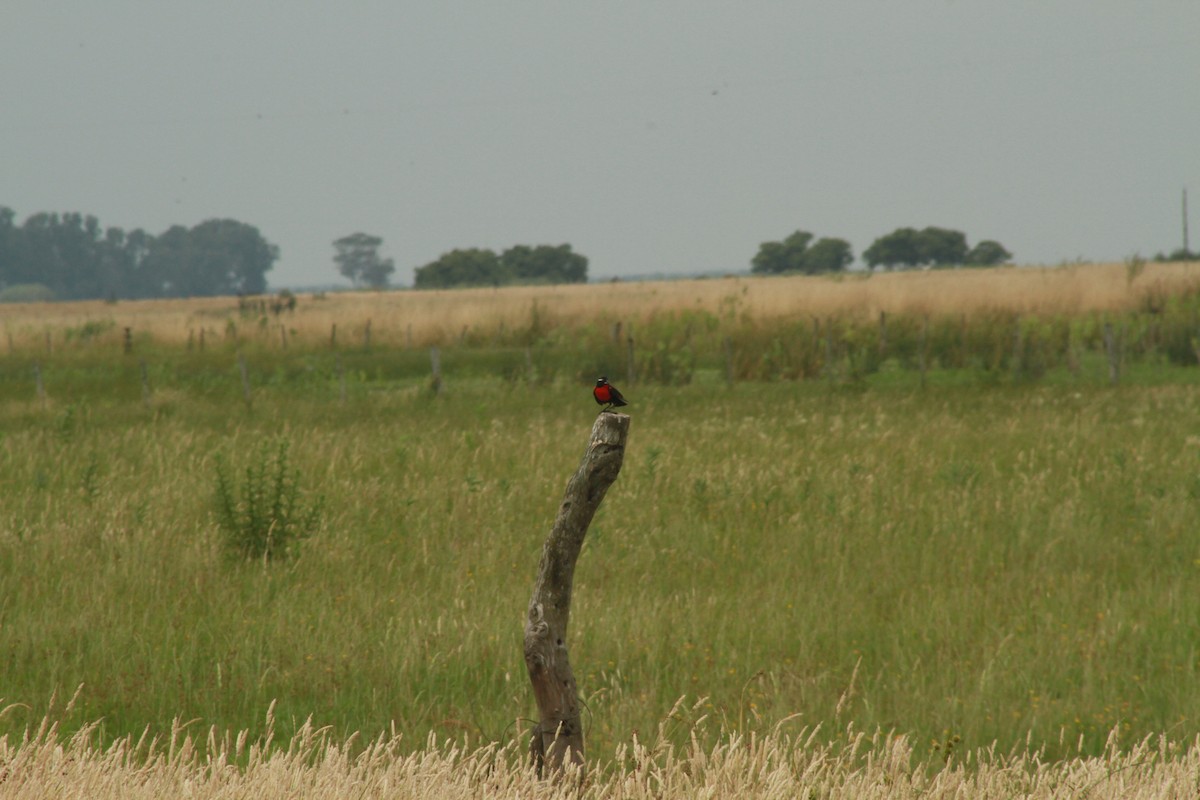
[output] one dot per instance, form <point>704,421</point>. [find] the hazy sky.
<point>653,136</point>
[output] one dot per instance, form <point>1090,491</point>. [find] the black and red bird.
<point>607,395</point>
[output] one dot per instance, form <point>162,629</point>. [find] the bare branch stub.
<point>558,736</point>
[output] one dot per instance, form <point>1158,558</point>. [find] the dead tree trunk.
<point>557,739</point>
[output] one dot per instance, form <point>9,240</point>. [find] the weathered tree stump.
<point>557,739</point>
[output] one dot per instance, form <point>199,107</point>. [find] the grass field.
<point>972,564</point>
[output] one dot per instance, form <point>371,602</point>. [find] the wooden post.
<point>963,355</point>
<point>1018,348</point>
<point>923,348</point>
<point>41,387</point>
<point>245,380</point>
<point>128,340</point>
<point>829,371</point>
<point>145,384</point>
<point>1114,358</point>
<point>341,376</point>
<point>435,364</point>
<point>202,340</point>
<point>882,332</point>
<point>727,345</point>
<point>632,363</point>
<point>557,739</point>
<point>283,335</point>
<point>333,335</point>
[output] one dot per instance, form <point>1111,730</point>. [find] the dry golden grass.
<point>781,766</point>
<point>428,317</point>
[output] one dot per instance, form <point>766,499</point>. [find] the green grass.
<point>992,561</point>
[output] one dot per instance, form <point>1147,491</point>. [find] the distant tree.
<point>8,244</point>
<point>470,267</point>
<point>774,258</point>
<point>232,256</point>
<point>216,257</point>
<point>899,248</point>
<point>828,255</point>
<point>543,264</point>
<point>941,247</point>
<point>518,264</point>
<point>137,280</point>
<point>987,253</point>
<point>771,259</point>
<point>75,258</point>
<point>357,258</point>
<point>1179,254</point>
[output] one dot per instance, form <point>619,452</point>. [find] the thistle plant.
<point>264,515</point>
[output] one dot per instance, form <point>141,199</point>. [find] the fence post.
<point>245,379</point>
<point>923,348</point>
<point>1114,356</point>
<point>145,384</point>
<point>41,387</point>
<point>341,376</point>
<point>829,367</point>
<point>333,335</point>
<point>632,363</point>
<point>727,345</point>
<point>557,739</point>
<point>1018,348</point>
<point>128,340</point>
<point>435,363</point>
<point>964,355</point>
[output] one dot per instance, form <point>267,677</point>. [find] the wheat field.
<point>777,767</point>
<point>421,318</point>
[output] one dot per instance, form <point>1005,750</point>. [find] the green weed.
<point>263,516</point>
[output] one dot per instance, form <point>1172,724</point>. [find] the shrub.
<point>265,517</point>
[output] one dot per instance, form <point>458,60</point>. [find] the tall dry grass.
<point>432,317</point>
<point>784,766</point>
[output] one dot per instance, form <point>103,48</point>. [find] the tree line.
<point>902,248</point>
<point>518,264</point>
<point>70,256</point>
<point>357,258</point>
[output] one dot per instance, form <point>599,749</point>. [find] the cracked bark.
<point>557,739</point>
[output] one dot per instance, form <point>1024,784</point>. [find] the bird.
<point>607,395</point>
